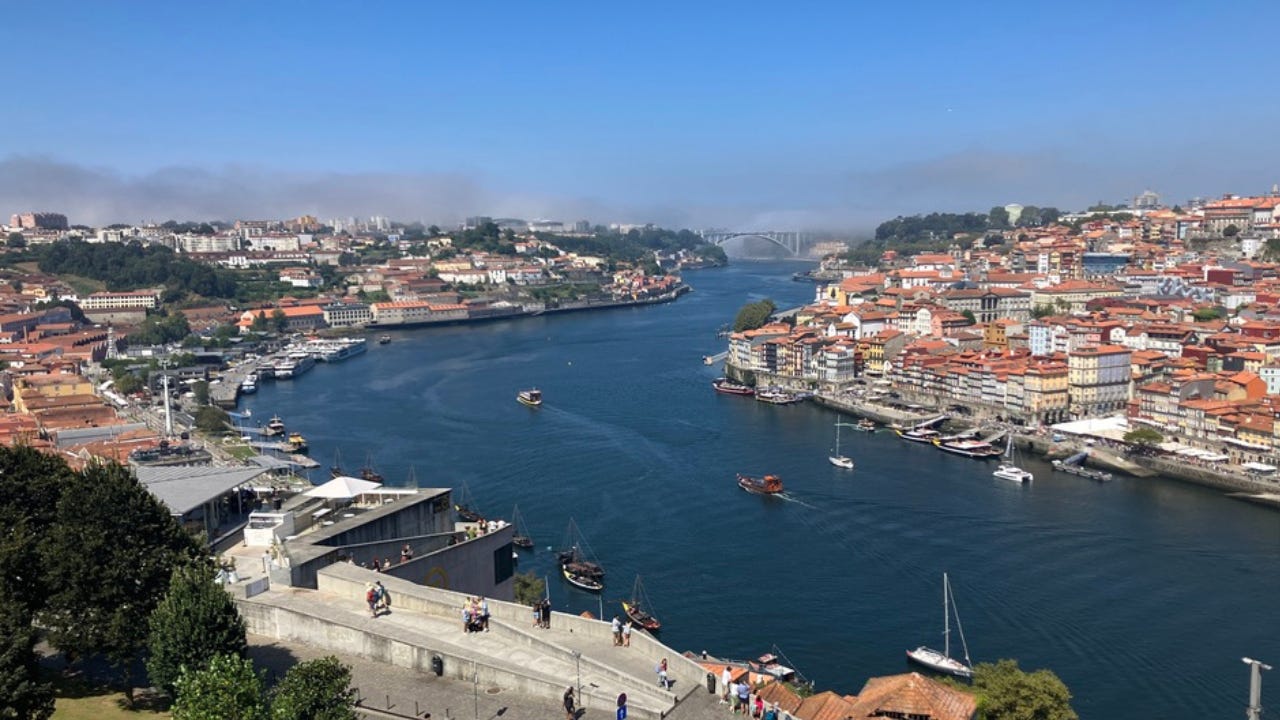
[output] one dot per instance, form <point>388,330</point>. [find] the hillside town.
<point>1160,318</point>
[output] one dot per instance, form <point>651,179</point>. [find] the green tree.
<point>1208,313</point>
<point>315,690</point>
<point>108,558</point>
<point>22,694</point>
<point>128,384</point>
<point>968,315</point>
<point>1143,437</point>
<point>228,689</point>
<point>16,240</point>
<point>279,321</point>
<point>212,419</point>
<point>195,621</point>
<point>259,323</point>
<point>1007,693</point>
<point>753,315</point>
<point>998,218</point>
<point>529,588</point>
<point>1041,311</point>
<point>201,391</point>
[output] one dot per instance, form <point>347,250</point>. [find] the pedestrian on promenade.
<point>374,566</point>
<point>484,614</point>
<point>386,564</point>
<point>546,613</point>
<point>466,615</point>
<point>661,669</point>
<point>384,597</point>
<point>726,679</point>
<point>733,696</point>
<point>626,634</point>
<point>616,625</point>
<point>371,597</point>
<point>406,553</point>
<point>758,712</point>
<point>537,614</point>
<point>744,696</point>
<point>568,704</point>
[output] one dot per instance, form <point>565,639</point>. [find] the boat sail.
<point>1009,469</point>
<point>639,609</point>
<point>942,661</point>
<point>840,461</point>
<point>577,564</point>
<point>521,538</point>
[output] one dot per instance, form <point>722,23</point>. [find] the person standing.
<point>371,597</point>
<point>626,634</point>
<point>744,696</point>
<point>568,704</point>
<point>484,614</point>
<point>726,679</point>
<point>661,669</point>
<point>616,626</point>
<point>758,711</point>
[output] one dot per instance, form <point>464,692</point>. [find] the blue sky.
<point>832,114</point>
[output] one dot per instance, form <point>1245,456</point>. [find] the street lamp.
<point>577,659</point>
<point>1254,711</point>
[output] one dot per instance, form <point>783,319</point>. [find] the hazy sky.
<point>740,114</point>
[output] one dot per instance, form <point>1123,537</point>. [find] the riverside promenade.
<point>423,631</point>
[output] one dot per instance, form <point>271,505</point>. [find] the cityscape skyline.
<point>817,116</point>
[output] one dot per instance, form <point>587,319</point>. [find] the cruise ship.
<point>336,350</point>
<point>295,363</point>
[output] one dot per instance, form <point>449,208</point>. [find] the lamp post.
<point>1254,711</point>
<point>577,660</point>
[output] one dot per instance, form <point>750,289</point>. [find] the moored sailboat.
<point>577,564</point>
<point>840,461</point>
<point>639,609</point>
<point>942,661</point>
<point>521,538</point>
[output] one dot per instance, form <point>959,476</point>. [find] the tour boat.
<point>767,485</point>
<point>275,426</point>
<point>975,449</point>
<point>840,461</point>
<point>729,387</point>
<point>384,339</point>
<point>250,385</point>
<point>1009,470</point>
<point>297,443</point>
<point>638,608</point>
<point>777,397</point>
<point>576,564</point>
<point>521,538</point>
<point>865,425</point>
<point>920,435</point>
<point>942,661</point>
<point>532,398</point>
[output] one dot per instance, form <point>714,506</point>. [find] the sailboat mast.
<point>946,616</point>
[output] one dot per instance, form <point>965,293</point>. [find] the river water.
<point>1142,595</point>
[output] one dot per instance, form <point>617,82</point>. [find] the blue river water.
<point>1142,595</point>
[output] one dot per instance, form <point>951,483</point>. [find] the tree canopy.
<point>753,315</point>
<point>195,621</point>
<point>1006,692</point>
<point>132,265</point>
<point>315,690</point>
<point>229,688</point>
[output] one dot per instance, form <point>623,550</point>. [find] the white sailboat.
<point>840,461</point>
<point>1008,470</point>
<point>942,661</point>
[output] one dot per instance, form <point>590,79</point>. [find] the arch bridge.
<point>793,241</point>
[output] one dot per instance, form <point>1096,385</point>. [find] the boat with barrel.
<point>968,447</point>
<point>942,661</point>
<point>531,397</point>
<point>577,564</point>
<point>639,609</point>
<point>767,485</point>
<point>920,435</point>
<point>466,505</point>
<point>729,387</point>
<point>521,538</point>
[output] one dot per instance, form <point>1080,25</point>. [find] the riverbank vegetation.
<point>753,315</point>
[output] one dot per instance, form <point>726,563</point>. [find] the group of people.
<point>738,696</point>
<point>621,632</point>
<point>377,597</point>
<point>475,615</point>
<point>542,614</point>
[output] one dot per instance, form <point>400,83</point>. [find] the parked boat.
<point>577,563</point>
<point>1071,468</point>
<point>920,435</point>
<point>1009,470</point>
<point>767,485</point>
<point>368,473</point>
<point>384,339</point>
<point>465,507</point>
<point>297,443</point>
<point>336,470</point>
<point>249,385</point>
<point>275,426</point>
<point>532,397</point>
<point>865,425</point>
<point>774,396</point>
<point>840,461</point>
<point>942,661</point>
<point>969,448</point>
<point>729,387</point>
<point>639,609</point>
<point>521,538</point>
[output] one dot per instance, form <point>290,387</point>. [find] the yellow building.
<point>48,386</point>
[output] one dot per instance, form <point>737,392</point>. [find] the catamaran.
<point>1009,469</point>
<point>942,661</point>
<point>840,461</point>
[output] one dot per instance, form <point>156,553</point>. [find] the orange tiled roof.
<point>913,694</point>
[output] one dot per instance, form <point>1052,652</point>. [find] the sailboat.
<point>336,470</point>
<point>639,609</point>
<point>466,505</point>
<point>368,472</point>
<point>1009,470</point>
<point>840,461</point>
<point>576,563</point>
<point>521,538</point>
<point>942,661</point>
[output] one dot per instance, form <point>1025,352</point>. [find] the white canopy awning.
<point>1259,467</point>
<point>343,487</point>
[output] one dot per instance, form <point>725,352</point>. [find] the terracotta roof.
<point>913,694</point>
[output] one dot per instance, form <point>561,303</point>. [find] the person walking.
<point>744,696</point>
<point>616,626</point>
<point>568,704</point>
<point>546,613</point>
<point>626,634</point>
<point>661,669</point>
<point>371,597</point>
<point>733,696</point>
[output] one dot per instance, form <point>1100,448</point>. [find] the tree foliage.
<point>315,690</point>
<point>1143,437</point>
<point>195,621</point>
<point>228,689</point>
<point>1006,692</point>
<point>132,265</point>
<point>529,588</point>
<point>23,696</point>
<point>753,315</point>
<point>107,559</point>
<point>161,329</point>
<point>212,419</point>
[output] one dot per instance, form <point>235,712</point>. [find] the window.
<point>504,565</point>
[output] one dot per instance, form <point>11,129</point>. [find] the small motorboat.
<point>384,339</point>
<point>767,485</point>
<point>865,425</point>
<point>532,398</point>
<point>729,387</point>
<point>275,426</point>
<point>297,443</point>
<point>1008,471</point>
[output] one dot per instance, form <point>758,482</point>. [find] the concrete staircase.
<point>425,623</point>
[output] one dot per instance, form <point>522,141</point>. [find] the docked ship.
<point>275,426</point>
<point>966,447</point>
<point>777,397</point>
<point>297,443</point>
<point>767,485</point>
<point>531,397</point>
<point>336,350</point>
<point>920,435</point>
<point>729,387</point>
<point>250,385</point>
<point>577,565</point>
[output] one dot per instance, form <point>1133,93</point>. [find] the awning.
<point>1259,467</point>
<point>343,487</point>
<point>1210,457</point>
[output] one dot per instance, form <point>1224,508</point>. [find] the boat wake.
<point>791,498</point>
